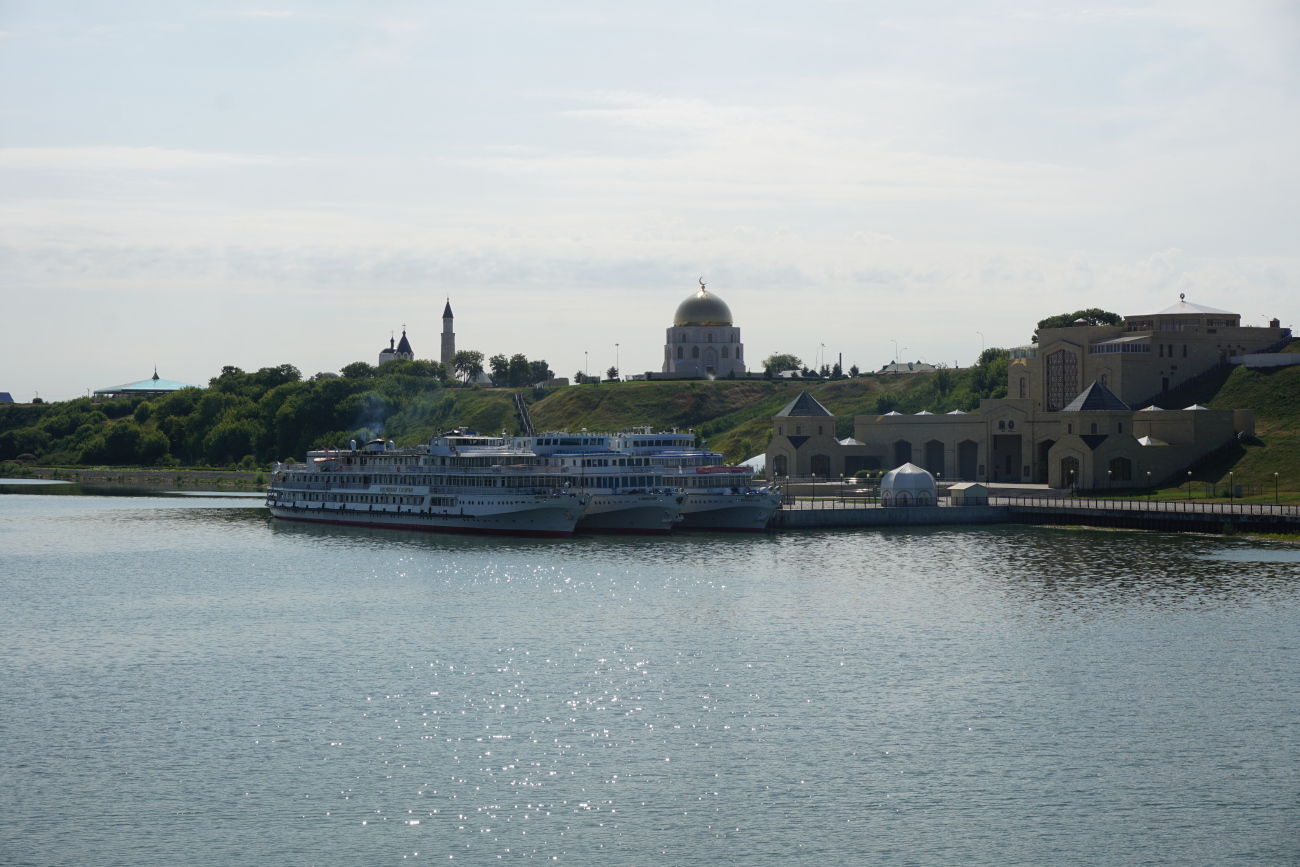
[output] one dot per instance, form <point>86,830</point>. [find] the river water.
<point>186,681</point>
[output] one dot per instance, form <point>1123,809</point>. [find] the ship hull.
<point>650,514</point>
<point>728,512</point>
<point>545,521</point>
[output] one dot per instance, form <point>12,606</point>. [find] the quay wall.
<point>1123,514</point>
<point>872,516</point>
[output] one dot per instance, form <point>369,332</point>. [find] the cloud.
<point>116,158</point>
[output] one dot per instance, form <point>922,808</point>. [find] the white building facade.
<point>702,341</point>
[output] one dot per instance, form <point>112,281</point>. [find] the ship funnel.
<point>352,445</point>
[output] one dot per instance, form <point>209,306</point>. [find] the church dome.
<point>702,308</point>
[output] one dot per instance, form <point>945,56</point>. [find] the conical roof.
<point>405,345</point>
<point>804,405</point>
<point>446,311</point>
<point>1097,398</point>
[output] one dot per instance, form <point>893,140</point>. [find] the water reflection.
<point>192,675</point>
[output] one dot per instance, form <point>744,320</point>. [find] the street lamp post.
<point>1149,486</point>
<point>1232,489</point>
<point>585,370</point>
<point>616,367</point>
<point>1189,486</point>
<point>895,342</point>
<point>1275,489</point>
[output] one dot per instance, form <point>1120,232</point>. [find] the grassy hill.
<point>1274,395</point>
<point>249,419</point>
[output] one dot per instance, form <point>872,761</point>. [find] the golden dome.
<point>702,308</point>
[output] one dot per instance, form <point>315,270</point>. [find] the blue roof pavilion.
<point>144,387</point>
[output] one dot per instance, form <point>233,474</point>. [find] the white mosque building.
<point>702,341</point>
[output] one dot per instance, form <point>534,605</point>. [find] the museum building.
<point>1083,410</point>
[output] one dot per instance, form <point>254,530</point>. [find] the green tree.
<point>541,371</point>
<point>151,446</point>
<point>1092,316</point>
<point>500,369</point>
<point>519,371</point>
<point>358,370</point>
<point>612,373</point>
<point>467,363</point>
<point>778,362</point>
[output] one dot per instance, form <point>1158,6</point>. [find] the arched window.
<point>1105,379</point>
<point>1069,428</point>
<point>684,337</point>
<point>798,430</point>
<point>780,467</point>
<point>733,338</point>
<point>1002,425</point>
<point>710,336</point>
<point>1121,427</point>
<point>1094,427</point>
<point>724,352</point>
<point>695,352</point>
<point>679,352</point>
<point>1024,388</point>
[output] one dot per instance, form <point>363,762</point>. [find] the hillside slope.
<point>1274,395</point>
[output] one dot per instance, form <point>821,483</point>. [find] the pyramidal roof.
<point>1097,398</point>
<point>446,311</point>
<point>1184,306</point>
<point>405,345</point>
<point>804,405</point>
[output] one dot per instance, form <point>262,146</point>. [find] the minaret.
<point>448,338</point>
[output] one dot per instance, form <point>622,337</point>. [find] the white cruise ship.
<point>456,484</point>
<point>628,494</point>
<point>718,497</point>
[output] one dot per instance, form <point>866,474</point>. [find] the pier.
<point>860,508</point>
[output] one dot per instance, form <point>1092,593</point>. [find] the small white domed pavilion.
<point>909,485</point>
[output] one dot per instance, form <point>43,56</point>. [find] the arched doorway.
<point>780,465</point>
<point>968,454</point>
<point>1070,473</point>
<point>902,453</point>
<point>934,455</point>
<point>820,465</point>
<point>1041,470</point>
<point>710,360</point>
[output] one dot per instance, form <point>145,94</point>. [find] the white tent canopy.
<point>908,485</point>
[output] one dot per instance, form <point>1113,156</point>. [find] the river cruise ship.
<point>628,494</point>
<point>456,484</point>
<point>718,497</point>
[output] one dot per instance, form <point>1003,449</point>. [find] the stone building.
<point>1057,427</point>
<point>1149,355</point>
<point>448,338</point>
<point>702,341</point>
<point>401,351</point>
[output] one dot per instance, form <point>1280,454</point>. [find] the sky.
<point>192,185</point>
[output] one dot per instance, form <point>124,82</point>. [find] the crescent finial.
<point>701,282</point>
